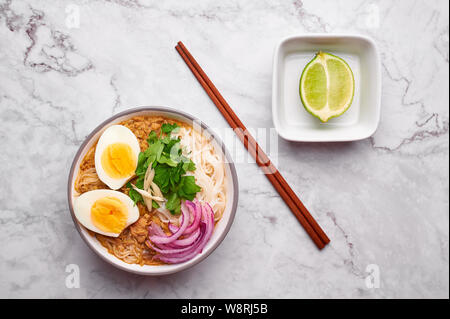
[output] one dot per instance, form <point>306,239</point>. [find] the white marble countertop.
<point>383,201</point>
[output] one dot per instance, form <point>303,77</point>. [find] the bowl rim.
<point>330,36</point>
<point>188,116</point>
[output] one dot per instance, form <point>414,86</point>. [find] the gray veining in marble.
<point>383,201</point>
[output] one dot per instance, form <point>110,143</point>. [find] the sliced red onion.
<point>180,243</point>
<point>196,227</point>
<point>165,250</point>
<point>159,239</point>
<point>186,241</point>
<point>173,229</point>
<point>195,210</point>
<point>155,229</point>
<point>208,218</point>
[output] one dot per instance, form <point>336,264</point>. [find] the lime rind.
<point>322,55</point>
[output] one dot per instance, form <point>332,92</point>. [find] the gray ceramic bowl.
<point>222,226</point>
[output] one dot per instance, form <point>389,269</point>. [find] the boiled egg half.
<point>116,156</point>
<point>105,211</point>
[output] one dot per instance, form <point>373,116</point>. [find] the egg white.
<point>82,208</point>
<point>115,134</point>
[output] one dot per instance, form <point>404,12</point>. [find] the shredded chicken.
<point>139,228</point>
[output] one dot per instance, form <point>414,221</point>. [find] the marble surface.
<point>383,201</point>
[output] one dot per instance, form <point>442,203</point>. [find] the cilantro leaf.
<point>140,182</point>
<point>142,165</point>
<point>189,165</point>
<point>166,139</point>
<point>155,204</point>
<point>162,177</point>
<point>175,142</point>
<point>165,155</point>
<point>154,151</point>
<point>168,128</point>
<point>173,202</point>
<point>152,137</point>
<point>188,187</point>
<point>141,159</point>
<point>167,160</point>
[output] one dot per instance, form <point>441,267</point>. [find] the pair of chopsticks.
<point>298,209</point>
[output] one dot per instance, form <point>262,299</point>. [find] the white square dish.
<point>292,121</point>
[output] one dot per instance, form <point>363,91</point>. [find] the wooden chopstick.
<point>314,236</point>
<point>304,217</point>
<point>262,159</point>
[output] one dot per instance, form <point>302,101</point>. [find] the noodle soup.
<point>136,244</point>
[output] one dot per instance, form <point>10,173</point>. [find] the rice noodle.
<point>87,178</point>
<point>210,172</point>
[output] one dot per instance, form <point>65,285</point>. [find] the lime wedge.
<point>327,86</point>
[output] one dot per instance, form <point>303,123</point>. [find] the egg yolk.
<point>118,160</point>
<point>109,214</point>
